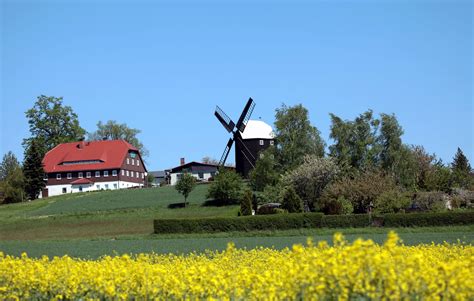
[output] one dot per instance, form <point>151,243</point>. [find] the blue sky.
<point>163,66</point>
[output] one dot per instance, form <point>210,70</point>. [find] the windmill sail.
<point>224,119</point>
<point>245,116</point>
<point>226,152</point>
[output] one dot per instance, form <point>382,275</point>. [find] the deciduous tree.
<point>185,185</point>
<point>226,187</point>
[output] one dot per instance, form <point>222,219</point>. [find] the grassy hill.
<point>104,213</point>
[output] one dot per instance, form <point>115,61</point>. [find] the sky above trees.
<point>162,68</point>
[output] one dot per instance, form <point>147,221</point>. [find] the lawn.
<point>186,243</point>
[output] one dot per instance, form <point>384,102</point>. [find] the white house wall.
<point>174,177</point>
<point>113,185</point>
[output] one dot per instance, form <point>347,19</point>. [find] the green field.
<point>116,222</point>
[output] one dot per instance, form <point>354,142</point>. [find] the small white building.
<point>201,171</point>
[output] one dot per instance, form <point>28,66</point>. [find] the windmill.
<point>250,138</point>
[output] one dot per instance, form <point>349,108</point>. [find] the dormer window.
<point>261,142</point>
<point>58,176</point>
<point>97,174</point>
<point>106,173</point>
<point>69,175</point>
<point>80,175</point>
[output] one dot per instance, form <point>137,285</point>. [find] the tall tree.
<point>13,186</point>
<point>8,164</point>
<point>52,123</point>
<point>355,145</point>
<point>461,169</point>
<point>112,130</point>
<point>295,136</point>
<point>391,141</point>
<point>33,169</point>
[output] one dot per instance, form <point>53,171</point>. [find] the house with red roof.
<point>92,165</point>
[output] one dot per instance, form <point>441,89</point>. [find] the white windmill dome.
<point>257,129</point>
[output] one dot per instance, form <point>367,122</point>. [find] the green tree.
<point>461,170</point>
<point>311,177</point>
<point>8,164</point>
<point>13,186</point>
<point>33,170</point>
<point>291,201</point>
<point>391,201</point>
<point>52,123</point>
<point>265,172</point>
<point>391,142</point>
<point>246,203</point>
<point>185,185</point>
<point>295,136</point>
<point>112,130</point>
<point>355,142</point>
<point>226,187</point>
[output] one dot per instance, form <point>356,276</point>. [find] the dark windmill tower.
<point>250,137</point>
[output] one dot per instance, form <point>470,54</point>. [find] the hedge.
<point>346,221</point>
<point>242,224</point>
<point>428,219</point>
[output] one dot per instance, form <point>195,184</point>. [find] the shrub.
<point>269,208</point>
<point>227,186</point>
<point>291,201</point>
<point>244,223</point>
<point>246,203</point>
<point>429,219</point>
<point>391,201</point>
<point>431,200</point>
<point>339,206</point>
<point>264,174</point>
<point>310,178</point>
<point>346,221</point>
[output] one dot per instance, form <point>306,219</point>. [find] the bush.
<point>291,201</point>
<point>227,186</point>
<point>339,206</point>
<point>392,201</point>
<point>431,201</point>
<point>270,208</point>
<point>246,203</point>
<point>244,223</point>
<point>346,221</point>
<point>429,219</point>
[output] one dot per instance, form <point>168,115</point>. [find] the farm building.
<point>95,165</point>
<point>201,171</point>
<point>159,177</point>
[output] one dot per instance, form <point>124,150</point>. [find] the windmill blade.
<point>245,116</point>
<point>224,119</point>
<point>226,152</point>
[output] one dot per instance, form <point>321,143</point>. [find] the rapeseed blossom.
<point>345,271</point>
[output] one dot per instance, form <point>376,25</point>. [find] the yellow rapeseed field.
<point>345,271</point>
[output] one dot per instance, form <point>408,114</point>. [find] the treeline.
<point>51,123</point>
<point>367,168</point>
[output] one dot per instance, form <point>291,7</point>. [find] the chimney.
<point>181,161</point>
<point>80,145</point>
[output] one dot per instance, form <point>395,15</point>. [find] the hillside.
<point>105,213</point>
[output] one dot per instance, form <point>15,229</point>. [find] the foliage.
<point>346,221</point>
<point>391,141</point>
<point>461,170</point>
<point>391,201</point>
<point>33,170</point>
<point>13,186</point>
<point>311,177</point>
<point>431,200</point>
<point>265,172</point>
<point>112,130</point>
<point>362,190</point>
<point>209,160</point>
<point>52,123</point>
<point>271,194</point>
<point>362,270</point>
<point>243,223</point>
<point>227,186</point>
<point>150,179</point>
<point>246,203</point>
<point>340,205</point>
<point>429,219</point>
<point>355,142</point>
<point>185,185</point>
<point>9,163</point>
<point>291,201</point>
<point>295,136</point>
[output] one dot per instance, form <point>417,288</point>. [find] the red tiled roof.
<point>82,181</point>
<point>105,154</point>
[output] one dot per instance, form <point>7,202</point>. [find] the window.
<point>64,189</point>
<point>106,186</point>
<point>261,142</point>
<point>272,142</point>
<point>58,176</point>
<point>97,174</point>
<point>133,162</point>
<point>106,173</point>
<point>128,161</point>
<point>88,174</point>
<point>45,177</point>
<point>131,173</point>
<point>115,185</point>
<point>114,173</point>
<point>201,175</point>
<point>143,175</point>
<point>98,187</point>
<point>213,173</point>
<point>123,172</point>
<point>128,173</point>
<point>80,188</point>
<point>133,155</point>
<point>79,175</point>
<point>69,175</point>
<point>138,162</point>
<point>138,174</point>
